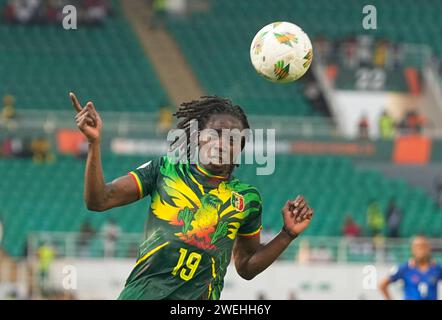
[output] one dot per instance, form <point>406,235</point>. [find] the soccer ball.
<point>281,52</point>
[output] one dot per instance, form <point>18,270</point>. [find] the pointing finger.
<point>75,102</point>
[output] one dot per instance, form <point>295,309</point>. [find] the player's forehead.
<point>224,121</point>
<point>420,241</point>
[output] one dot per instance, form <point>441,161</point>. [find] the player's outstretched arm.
<point>251,258</point>
<point>383,287</point>
<point>98,195</point>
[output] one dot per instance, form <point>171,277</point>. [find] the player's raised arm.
<point>98,195</point>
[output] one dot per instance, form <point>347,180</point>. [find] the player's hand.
<point>88,120</point>
<point>297,215</point>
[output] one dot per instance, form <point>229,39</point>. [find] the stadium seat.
<point>217,42</point>
<point>333,186</point>
<point>41,64</point>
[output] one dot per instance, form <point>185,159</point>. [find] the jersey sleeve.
<point>145,177</point>
<point>252,224</point>
<point>397,273</point>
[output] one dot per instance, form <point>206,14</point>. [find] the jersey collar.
<point>208,176</point>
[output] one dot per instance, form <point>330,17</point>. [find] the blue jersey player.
<point>420,275</point>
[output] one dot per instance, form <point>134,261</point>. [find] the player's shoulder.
<point>153,162</point>
<point>397,270</point>
<point>436,265</point>
<point>405,265</point>
<point>250,192</point>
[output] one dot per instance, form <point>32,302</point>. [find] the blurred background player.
<point>420,275</point>
<point>111,232</point>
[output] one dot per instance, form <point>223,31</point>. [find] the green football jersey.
<point>193,220</point>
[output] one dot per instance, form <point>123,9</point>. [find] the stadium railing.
<point>135,124</point>
<point>304,250</point>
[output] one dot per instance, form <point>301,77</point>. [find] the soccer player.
<point>199,213</point>
<point>420,275</point>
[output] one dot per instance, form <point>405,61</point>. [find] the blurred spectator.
<point>9,13</point>
<point>51,11</point>
<point>375,219</point>
<point>363,127</point>
<point>413,122</point>
<point>15,147</point>
<point>111,233</point>
<point>85,236</point>
<point>380,54</point>
<point>360,51</point>
<point>8,111</point>
<point>364,50</point>
<point>394,219</point>
<point>159,10</point>
<point>9,115</point>
<point>397,56</point>
<point>6,150</point>
<point>165,119</point>
<point>26,11</point>
<point>386,126</point>
<point>21,147</point>
<point>351,228</point>
<point>96,11</point>
<point>350,57</point>
<point>46,254</point>
<point>41,150</point>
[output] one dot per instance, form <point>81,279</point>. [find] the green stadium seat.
<point>216,43</point>
<point>41,64</point>
<point>326,182</point>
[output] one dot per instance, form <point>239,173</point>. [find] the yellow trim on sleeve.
<point>251,234</point>
<point>139,185</point>
<point>151,252</point>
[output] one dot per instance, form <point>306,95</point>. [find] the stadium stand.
<point>219,54</point>
<point>333,185</point>
<point>336,187</point>
<point>42,63</point>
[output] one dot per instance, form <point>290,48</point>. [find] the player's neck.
<point>422,263</point>
<point>212,173</point>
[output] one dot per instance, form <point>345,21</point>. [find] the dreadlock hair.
<point>202,110</point>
